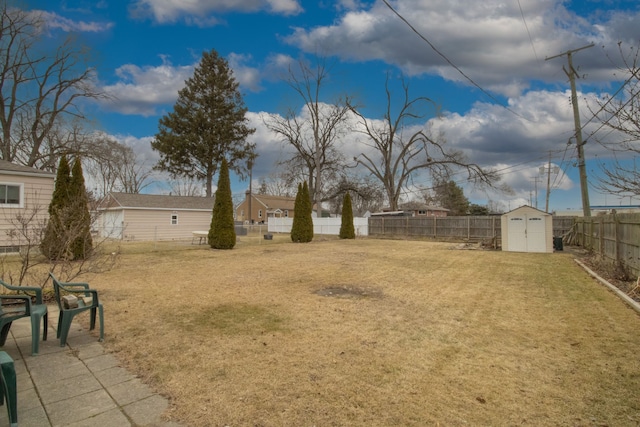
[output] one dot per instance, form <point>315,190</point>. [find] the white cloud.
<point>141,90</point>
<point>246,76</point>
<point>488,41</point>
<point>530,127</point>
<point>142,148</point>
<point>201,12</point>
<point>55,21</point>
<point>285,7</point>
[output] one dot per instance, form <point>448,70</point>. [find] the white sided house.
<point>25,195</point>
<point>149,217</point>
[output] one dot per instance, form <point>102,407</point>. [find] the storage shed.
<point>527,229</point>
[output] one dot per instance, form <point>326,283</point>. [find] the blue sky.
<point>143,50</point>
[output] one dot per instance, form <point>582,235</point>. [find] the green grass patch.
<point>232,319</point>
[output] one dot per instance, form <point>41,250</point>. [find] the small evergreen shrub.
<point>222,233</point>
<point>347,230</point>
<point>81,242</point>
<point>54,241</point>
<point>297,217</point>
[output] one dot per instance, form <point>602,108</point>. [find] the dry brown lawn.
<point>373,333</point>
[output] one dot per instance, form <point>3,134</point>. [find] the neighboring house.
<point>426,210</point>
<point>148,217</point>
<point>25,195</point>
<point>260,207</point>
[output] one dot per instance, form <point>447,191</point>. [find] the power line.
<point>435,49</point>
<point>529,33</point>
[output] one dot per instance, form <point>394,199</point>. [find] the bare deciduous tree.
<point>277,184</point>
<point>315,132</point>
<point>366,194</point>
<point>39,91</point>
<point>398,151</point>
<point>181,186</point>
<point>622,116</point>
<point>114,166</point>
<point>24,232</point>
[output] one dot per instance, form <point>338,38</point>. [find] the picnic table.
<point>200,235</point>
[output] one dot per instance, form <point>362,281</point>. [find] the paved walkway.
<point>76,385</point>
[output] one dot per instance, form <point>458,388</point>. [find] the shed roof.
<point>527,207</point>
<point>14,169</point>
<point>154,201</point>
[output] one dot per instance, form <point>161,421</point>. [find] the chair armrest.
<point>74,285</point>
<point>25,289</point>
<point>86,291</point>
<point>25,298</point>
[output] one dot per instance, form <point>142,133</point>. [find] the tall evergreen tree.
<point>79,219</point>
<point>451,196</point>
<point>347,230</point>
<point>306,228</point>
<point>208,123</point>
<point>298,214</point>
<point>54,241</point>
<point>222,233</point>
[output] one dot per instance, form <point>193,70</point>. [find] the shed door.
<point>518,233</point>
<point>536,234</point>
<point>527,233</point>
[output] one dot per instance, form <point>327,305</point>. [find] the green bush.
<point>347,231</point>
<point>297,220</point>
<point>222,233</point>
<point>302,228</point>
<point>81,242</point>
<point>54,241</point>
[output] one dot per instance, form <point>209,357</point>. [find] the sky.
<point>483,63</point>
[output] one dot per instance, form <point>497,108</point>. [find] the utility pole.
<point>250,165</point>
<point>572,74</point>
<point>535,183</point>
<point>556,170</point>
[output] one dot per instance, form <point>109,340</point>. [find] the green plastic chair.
<point>66,314</point>
<point>26,302</point>
<point>8,388</point>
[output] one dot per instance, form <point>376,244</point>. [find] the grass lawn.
<point>373,333</point>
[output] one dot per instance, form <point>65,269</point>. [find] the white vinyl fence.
<point>320,225</point>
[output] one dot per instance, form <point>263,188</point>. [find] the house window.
<point>11,195</point>
<point>422,212</point>
<point>260,213</point>
<point>174,219</point>
<point>286,213</point>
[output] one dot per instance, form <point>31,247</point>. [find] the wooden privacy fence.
<point>615,237</point>
<point>451,227</point>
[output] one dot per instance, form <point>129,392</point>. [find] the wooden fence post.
<point>601,234</point>
<point>435,227</point>
<point>616,237</point>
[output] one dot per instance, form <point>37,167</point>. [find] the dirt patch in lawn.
<point>373,333</point>
<point>349,292</point>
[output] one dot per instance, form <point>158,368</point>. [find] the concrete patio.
<point>76,385</point>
